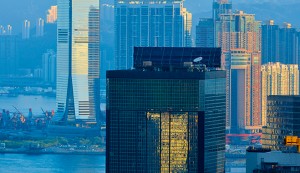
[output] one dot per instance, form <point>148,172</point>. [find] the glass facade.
<point>78,60</point>
<point>165,121</point>
<point>283,119</point>
<point>138,23</point>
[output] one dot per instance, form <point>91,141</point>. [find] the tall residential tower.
<point>239,36</point>
<point>278,79</point>
<point>78,60</point>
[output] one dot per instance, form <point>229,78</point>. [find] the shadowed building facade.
<point>283,119</point>
<point>168,114</point>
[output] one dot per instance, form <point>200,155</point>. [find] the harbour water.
<point>23,103</point>
<point>14,163</point>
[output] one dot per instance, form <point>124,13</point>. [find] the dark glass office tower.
<point>270,43</point>
<point>205,33</point>
<point>283,119</point>
<point>168,114</point>
<point>288,44</point>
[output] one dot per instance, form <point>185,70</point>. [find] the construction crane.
<point>292,141</point>
<point>22,117</point>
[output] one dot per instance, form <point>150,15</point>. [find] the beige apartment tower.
<point>278,79</point>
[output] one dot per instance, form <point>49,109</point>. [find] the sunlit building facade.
<point>78,60</point>
<point>278,79</point>
<point>243,91</point>
<point>149,23</point>
<point>239,36</point>
<point>166,115</point>
<point>52,14</point>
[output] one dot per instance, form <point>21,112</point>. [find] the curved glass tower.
<point>78,60</point>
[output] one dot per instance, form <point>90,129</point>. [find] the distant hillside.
<point>279,10</point>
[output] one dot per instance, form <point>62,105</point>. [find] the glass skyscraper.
<point>78,60</point>
<point>283,119</point>
<point>149,24</point>
<point>205,33</point>
<point>168,114</point>
<point>270,42</point>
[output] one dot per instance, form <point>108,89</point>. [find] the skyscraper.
<point>205,33</point>
<point>278,79</point>
<point>239,36</point>
<point>52,14</point>
<point>206,30</point>
<point>78,60</point>
<point>145,23</point>
<point>40,27</point>
<point>282,120</point>
<point>270,42</point>
<point>26,30</point>
<point>49,67</point>
<point>221,7</point>
<point>168,114</point>
<point>288,44</point>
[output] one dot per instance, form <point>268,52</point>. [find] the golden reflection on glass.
<point>174,144</point>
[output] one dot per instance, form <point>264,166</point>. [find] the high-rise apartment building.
<point>238,34</point>
<point>168,114</point>
<point>78,60</point>
<point>26,30</point>
<point>278,79</point>
<point>243,92</point>
<point>52,14</point>
<point>144,23</point>
<point>282,120</point>
<point>270,42</point>
<point>40,27</point>
<point>49,67</point>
